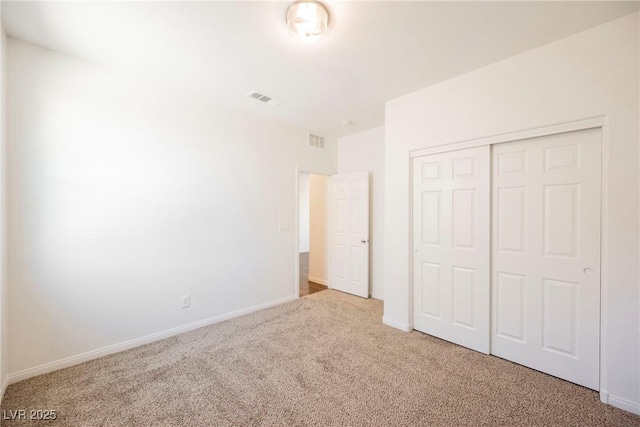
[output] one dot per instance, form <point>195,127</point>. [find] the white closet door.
<point>451,226</point>
<point>546,254</point>
<point>350,233</point>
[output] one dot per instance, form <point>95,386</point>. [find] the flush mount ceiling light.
<point>307,20</point>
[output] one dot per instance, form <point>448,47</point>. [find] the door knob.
<point>588,271</point>
<point>363,241</point>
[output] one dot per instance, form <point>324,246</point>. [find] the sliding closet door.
<point>546,254</point>
<point>451,197</point>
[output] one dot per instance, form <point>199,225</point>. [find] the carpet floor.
<point>325,360</point>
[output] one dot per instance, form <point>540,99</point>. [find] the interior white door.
<point>546,254</point>
<point>451,238</point>
<point>350,233</point>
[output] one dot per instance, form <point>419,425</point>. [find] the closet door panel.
<point>451,208</point>
<point>546,254</point>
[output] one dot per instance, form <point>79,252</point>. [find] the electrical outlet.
<point>186,301</point>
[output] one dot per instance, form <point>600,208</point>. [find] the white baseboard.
<point>405,327</point>
<point>5,384</point>
<point>378,297</point>
<point>619,402</point>
<point>136,342</point>
<point>317,280</point>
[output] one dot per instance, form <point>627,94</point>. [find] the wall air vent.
<point>316,141</point>
<point>264,98</point>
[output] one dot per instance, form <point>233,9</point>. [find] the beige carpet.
<point>324,359</point>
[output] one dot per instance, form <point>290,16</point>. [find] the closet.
<point>506,251</point>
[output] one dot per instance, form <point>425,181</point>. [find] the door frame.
<point>601,122</point>
<point>296,231</point>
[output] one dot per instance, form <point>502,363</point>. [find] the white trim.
<point>377,296</point>
<point>136,342</point>
<point>3,390</point>
<point>296,237</point>
<point>296,232</point>
<point>604,256</point>
<point>411,246</point>
<point>317,280</point>
<point>329,241</point>
<point>589,123</point>
<point>619,402</point>
<point>405,327</point>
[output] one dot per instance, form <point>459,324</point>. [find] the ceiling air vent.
<point>263,98</point>
<point>316,141</point>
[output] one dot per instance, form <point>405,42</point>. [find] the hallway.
<point>306,287</point>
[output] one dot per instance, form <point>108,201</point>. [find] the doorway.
<point>313,212</point>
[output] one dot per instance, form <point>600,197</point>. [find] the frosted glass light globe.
<point>307,20</point>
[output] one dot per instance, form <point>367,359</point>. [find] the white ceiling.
<point>375,51</point>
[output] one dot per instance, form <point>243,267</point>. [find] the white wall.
<point>318,223</point>
<point>303,212</point>
<point>364,151</point>
<point>124,196</point>
<point>4,313</point>
<point>590,74</point>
